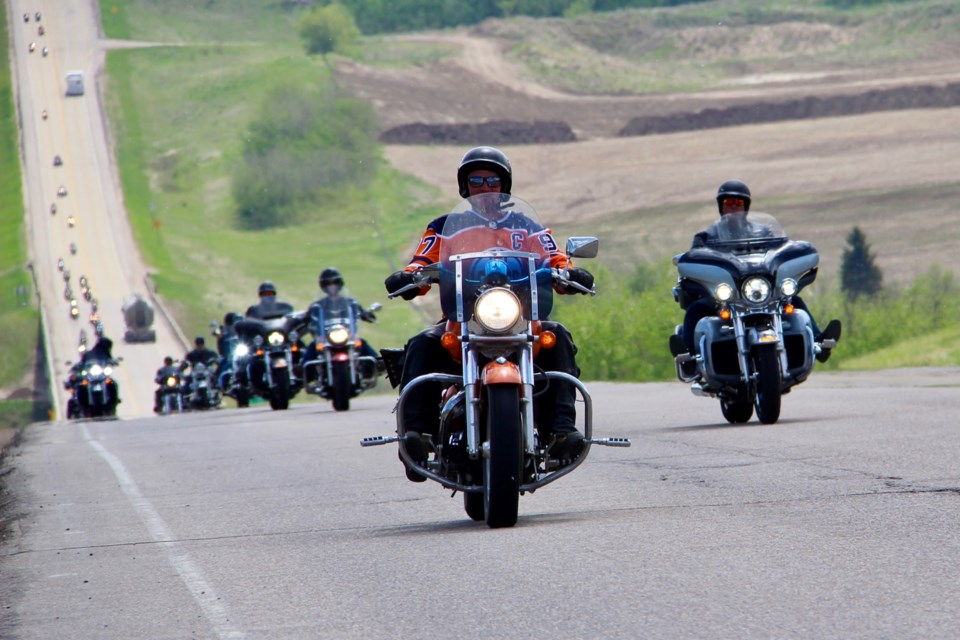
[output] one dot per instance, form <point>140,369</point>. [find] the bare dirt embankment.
<point>824,139</point>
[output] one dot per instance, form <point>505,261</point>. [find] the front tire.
<point>342,386</point>
<point>503,464</point>
<point>768,385</point>
<point>280,394</point>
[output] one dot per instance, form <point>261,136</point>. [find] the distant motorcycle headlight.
<point>240,351</point>
<point>171,381</point>
<point>788,286</point>
<point>497,310</point>
<point>338,335</point>
<point>724,292</point>
<point>96,370</point>
<point>108,371</point>
<point>275,338</point>
<point>756,290</point>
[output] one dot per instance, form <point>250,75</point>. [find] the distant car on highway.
<point>74,83</point>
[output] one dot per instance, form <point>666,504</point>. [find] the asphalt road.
<point>76,130</point>
<point>840,521</point>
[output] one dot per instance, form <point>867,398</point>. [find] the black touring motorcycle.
<point>757,346</point>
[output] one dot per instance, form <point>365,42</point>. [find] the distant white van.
<point>74,83</point>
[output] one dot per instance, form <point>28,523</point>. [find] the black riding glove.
<point>399,280</point>
<point>581,276</point>
<point>368,316</point>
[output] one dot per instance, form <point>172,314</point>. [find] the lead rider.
<point>487,170</point>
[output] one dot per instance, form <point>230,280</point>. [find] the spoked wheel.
<point>768,385</point>
<point>738,410</point>
<point>342,386</point>
<point>280,394</point>
<point>473,505</point>
<point>502,466</point>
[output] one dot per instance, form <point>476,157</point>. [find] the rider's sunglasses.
<point>733,202</point>
<point>477,181</point>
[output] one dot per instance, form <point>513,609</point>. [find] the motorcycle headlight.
<point>756,290</point>
<point>497,310</point>
<point>294,336</point>
<point>788,286</point>
<point>275,338</point>
<point>108,371</point>
<point>96,370</point>
<point>338,335</point>
<point>724,292</point>
<point>240,351</point>
<point>171,381</point>
<point>257,341</point>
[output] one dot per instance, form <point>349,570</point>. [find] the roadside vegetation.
<point>19,317</point>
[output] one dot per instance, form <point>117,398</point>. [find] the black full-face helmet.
<point>330,276</point>
<point>231,318</point>
<point>484,158</point>
<point>267,288</point>
<point>733,189</point>
<point>199,341</point>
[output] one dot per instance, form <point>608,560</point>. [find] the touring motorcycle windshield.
<point>499,241</point>
<point>333,311</point>
<point>747,231</point>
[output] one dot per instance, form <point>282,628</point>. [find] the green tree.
<point>329,29</point>
<point>859,275</point>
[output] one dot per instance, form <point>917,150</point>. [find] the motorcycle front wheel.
<point>280,394</point>
<point>503,462</point>
<point>342,386</point>
<point>768,385</point>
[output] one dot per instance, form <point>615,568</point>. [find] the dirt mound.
<point>496,132</point>
<point>923,97</point>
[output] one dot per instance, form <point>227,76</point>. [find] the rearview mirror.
<point>583,247</point>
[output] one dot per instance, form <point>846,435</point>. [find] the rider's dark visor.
<point>477,181</point>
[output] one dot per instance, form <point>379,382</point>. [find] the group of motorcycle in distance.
<point>266,357</point>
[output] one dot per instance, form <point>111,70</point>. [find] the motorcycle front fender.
<point>500,373</point>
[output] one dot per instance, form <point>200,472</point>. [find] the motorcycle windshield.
<point>331,311</point>
<point>745,232</point>
<point>491,240</point>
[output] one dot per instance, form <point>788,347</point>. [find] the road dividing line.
<point>201,590</point>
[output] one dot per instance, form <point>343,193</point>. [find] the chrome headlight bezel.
<point>497,310</point>
<point>756,290</point>
<point>338,335</point>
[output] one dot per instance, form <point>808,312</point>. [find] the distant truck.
<point>74,83</point>
<point>138,316</point>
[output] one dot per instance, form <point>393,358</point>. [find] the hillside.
<point>852,125</point>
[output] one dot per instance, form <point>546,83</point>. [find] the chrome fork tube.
<point>472,401</point>
<point>526,378</point>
